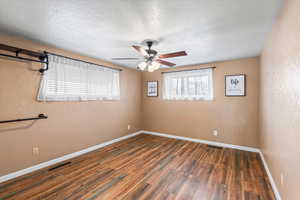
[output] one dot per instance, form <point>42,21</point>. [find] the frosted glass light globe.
<point>142,66</point>
<point>156,65</point>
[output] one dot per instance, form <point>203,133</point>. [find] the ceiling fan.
<point>152,60</point>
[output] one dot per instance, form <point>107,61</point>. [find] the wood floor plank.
<point>148,167</point>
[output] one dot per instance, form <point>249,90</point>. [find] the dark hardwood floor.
<point>149,167</point>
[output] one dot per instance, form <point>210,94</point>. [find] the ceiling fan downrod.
<point>152,53</point>
<point>149,44</point>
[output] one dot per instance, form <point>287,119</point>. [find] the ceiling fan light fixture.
<point>142,66</point>
<point>156,65</point>
<point>151,68</point>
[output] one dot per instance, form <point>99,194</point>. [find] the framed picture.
<point>235,85</point>
<point>152,90</point>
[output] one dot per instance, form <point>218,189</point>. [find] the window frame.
<point>209,97</point>
<point>89,82</point>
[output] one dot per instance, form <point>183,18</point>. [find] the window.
<point>70,80</point>
<point>189,85</point>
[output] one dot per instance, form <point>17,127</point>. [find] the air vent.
<point>59,166</point>
<point>215,147</point>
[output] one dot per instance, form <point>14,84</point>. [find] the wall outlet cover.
<point>35,151</point>
<point>215,132</point>
<point>281,178</point>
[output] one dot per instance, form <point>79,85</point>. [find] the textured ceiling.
<point>209,30</point>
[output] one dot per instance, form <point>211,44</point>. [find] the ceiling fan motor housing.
<point>151,52</point>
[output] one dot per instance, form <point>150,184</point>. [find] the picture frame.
<point>152,88</point>
<point>235,85</point>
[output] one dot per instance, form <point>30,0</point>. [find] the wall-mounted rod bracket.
<point>45,61</point>
<point>41,57</point>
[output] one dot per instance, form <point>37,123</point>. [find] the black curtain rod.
<point>188,70</point>
<point>82,61</point>
<point>22,58</point>
<point>41,116</point>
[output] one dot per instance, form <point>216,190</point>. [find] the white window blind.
<point>70,80</point>
<point>188,85</point>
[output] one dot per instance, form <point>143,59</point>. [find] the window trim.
<point>63,66</point>
<point>212,96</point>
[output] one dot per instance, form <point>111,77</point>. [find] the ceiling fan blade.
<point>140,50</point>
<point>125,58</point>
<point>171,55</point>
<point>163,62</point>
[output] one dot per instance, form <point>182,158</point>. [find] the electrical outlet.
<point>281,179</point>
<point>128,127</point>
<point>215,133</point>
<point>35,151</point>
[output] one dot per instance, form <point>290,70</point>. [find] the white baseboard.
<point>273,184</point>
<point>63,158</point>
<point>219,144</point>
<point>251,149</point>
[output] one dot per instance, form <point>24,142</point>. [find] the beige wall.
<point>280,101</point>
<point>71,126</point>
<point>236,118</point>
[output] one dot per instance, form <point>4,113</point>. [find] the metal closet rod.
<point>22,58</point>
<point>41,116</point>
<point>21,51</point>
<point>83,61</point>
<point>42,57</point>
